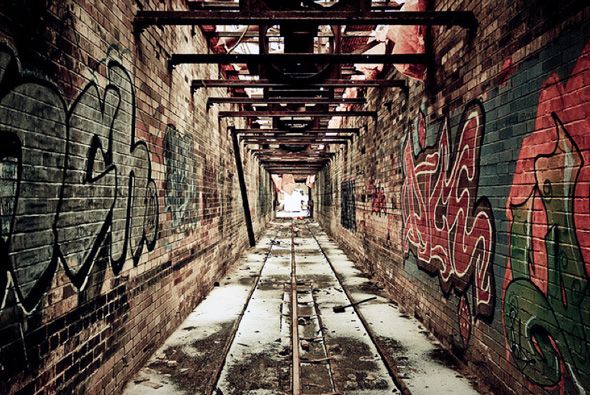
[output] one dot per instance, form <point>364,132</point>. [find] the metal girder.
<point>297,58</point>
<point>243,190</point>
<point>296,114</point>
<point>271,157</point>
<point>281,100</point>
<point>310,131</point>
<point>297,142</point>
<point>291,161</point>
<point>256,35</point>
<point>292,153</point>
<point>144,19</point>
<point>300,153</point>
<point>282,137</point>
<point>293,169</point>
<point>300,168</point>
<point>295,137</point>
<point>330,83</point>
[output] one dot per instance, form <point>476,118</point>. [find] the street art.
<point>180,177</point>
<point>348,205</point>
<point>546,289</point>
<point>376,193</point>
<point>447,227</point>
<point>73,179</point>
<point>210,196</point>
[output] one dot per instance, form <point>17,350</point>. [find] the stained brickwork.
<point>119,202</point>
<point>472,194</point>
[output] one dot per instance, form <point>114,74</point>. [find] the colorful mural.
<point>447,227</point>
<point>546,292</point>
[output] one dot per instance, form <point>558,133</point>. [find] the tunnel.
<point>310,197</point>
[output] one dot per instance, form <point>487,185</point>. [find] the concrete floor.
<point>238,340</point>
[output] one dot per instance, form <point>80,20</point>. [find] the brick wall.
<point>469,197</point>
<point>119,199</point>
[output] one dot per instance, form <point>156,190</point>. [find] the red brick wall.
<point>119,199</point>
<point>468,198</point>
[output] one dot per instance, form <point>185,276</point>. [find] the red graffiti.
<point>446,227</point>
<point>570,104</point>
<point>546,288</point>
<point>378,198</point>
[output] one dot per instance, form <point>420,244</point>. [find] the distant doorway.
<point>294,204</point>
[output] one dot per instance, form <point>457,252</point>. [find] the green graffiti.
<point>548,332</point>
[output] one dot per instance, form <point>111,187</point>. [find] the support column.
<point>243,189</point>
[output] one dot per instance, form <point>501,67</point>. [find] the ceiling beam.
<point>256,35</point>
<point>281,100</point>
<point>310,131</point>
<point>298,169</point>
<point>330,83</point>
<point>297,58</point>
<point>287,161</point>
<point>296,114</point>
<point>144,19</point>
<point>281,137</point>
<point>281,162</point>
<point>297,142</point>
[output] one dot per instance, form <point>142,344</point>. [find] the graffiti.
<point>446,227</point>
<point>376,193</point>
<point>546,301</point>
<point>73,180</point>
<point>348,205</point>
<point>211,202</point>
<point>180,181</point>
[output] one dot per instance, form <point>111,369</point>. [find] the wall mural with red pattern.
<point>448,228</point>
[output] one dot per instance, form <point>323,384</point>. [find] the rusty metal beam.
<point>297,142</point>
<point>313,136</point>
<point>293,169</point>
<point>301,153</point>
<point>243,190</point>
<point>330,83</point>
<point>144,19</point>
<point>298,167</point>
<point>255,35</point>
<point>296,58</point>
<point>281,137</point>
<point>281,100</point>
<point>310,131</point>
<point>294,161</point>
<point>296,114</point>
